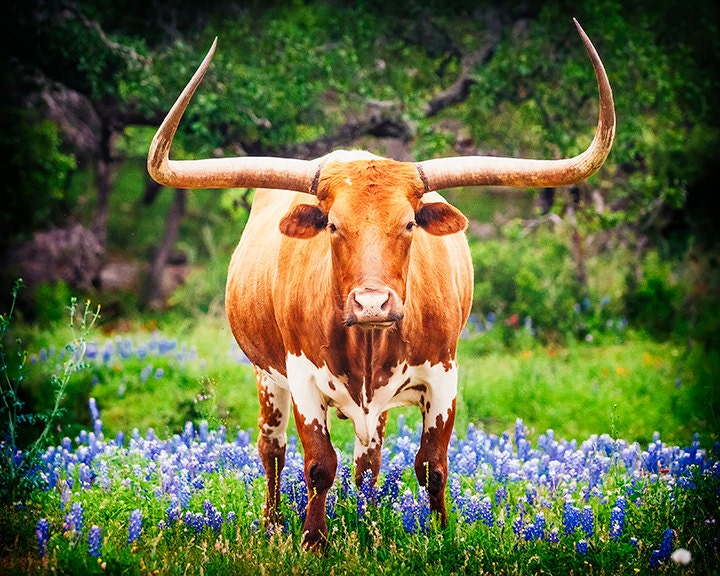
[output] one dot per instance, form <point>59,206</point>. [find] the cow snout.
<point>373,307</point>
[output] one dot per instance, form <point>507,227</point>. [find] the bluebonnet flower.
<point>94,541</point>
<point>408,513</point>
<point>134,526</point>
<point>195,520</point>
<point>367,488</point>
<point>666,546</point>
<point>486,514</point>
<point>414,513</point>
<point>42,533</point>
<point>518,526</point>
<point>455,489</point>
<point>617,522</point>
<point>582,547</point>
<point>571,517</point>
<point>662,554</point>
<point>471,511</point>
<point>587,521</point>
<point>74,520</point>
<point>213,518</point>
<point>94,412</point>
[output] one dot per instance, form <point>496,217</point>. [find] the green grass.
<point>629,390</point>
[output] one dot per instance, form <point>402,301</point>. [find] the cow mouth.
<point>376,325</point>
<point>373,308</point>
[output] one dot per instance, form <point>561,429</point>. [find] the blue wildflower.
<point>134,526</point>
<point>587,521</point>
<point>195,520</point>
<point>75,519</point>
<point>213,517</point>
<point>617,522</point>
<point>582,547</point>
<point>472,509</point>
<point>571,517</point>
<point>666,546</point>
<point>486,514</point>
<point>94,412</point>
<point>518,526</point>
<point>455,491</point>
<point>42,532</point>
<point>94,541</point>
<point>145,373</point>
<point>367,488</point>
<point>662,554</point>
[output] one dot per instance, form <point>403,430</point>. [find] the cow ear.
<point>439,218</point>
<point>303,221</point>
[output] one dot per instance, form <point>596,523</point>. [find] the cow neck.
<point>366,359</point>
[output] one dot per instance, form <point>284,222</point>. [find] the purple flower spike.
<point>42,531</point>
<point>582,547</point>
<point>94,541</point>
<point>134,526</point>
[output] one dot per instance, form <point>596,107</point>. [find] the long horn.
<point>242,172</point>
<point>442,173</point>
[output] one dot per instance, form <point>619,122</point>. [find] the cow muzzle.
<point>373,308</point>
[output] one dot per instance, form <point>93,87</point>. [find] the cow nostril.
<point>372,305</point>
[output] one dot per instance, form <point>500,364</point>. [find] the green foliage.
<point>50,301</point>
<point>526,277</point>
<point>665,100</point>
<point>654,301</point>
<point>35,174</point>
<point>18,454</point>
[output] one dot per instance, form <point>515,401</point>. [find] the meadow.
<point>594,457</point>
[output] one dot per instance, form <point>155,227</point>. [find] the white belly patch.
<point>315,389</point>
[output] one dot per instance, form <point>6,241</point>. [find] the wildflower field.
<point>188,499</point>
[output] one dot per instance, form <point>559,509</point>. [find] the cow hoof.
<point>314,541</point>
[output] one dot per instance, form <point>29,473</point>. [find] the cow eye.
<point>332,227</point>
<point>410,225</point>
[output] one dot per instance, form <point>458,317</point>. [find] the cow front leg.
<point>370,457</point>
<point>320,468</point>
<point>273,421</point>
<point>431,461</point>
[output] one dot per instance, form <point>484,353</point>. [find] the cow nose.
<point>373,307</point>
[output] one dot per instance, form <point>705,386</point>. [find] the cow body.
<point>351,292</point>
<point>287,304</point>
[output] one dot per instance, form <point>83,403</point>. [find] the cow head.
<point>370,208</point>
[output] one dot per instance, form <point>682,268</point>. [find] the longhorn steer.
<point>350,287</point>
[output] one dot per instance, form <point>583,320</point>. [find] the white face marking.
<point>315,389</point>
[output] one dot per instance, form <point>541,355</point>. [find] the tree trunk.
<point>105,174</point>
<point>154,295</point>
